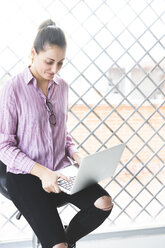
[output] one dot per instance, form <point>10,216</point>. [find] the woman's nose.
<point>54,69</point>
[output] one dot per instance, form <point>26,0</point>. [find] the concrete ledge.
<point>106,236</point>
<point>16,244</point>
<point>146,231</point>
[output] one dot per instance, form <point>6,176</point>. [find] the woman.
<point>34,144</point>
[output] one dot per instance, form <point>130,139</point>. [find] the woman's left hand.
<point>77,157</point>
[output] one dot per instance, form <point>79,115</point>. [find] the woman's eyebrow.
<point>54,59</point>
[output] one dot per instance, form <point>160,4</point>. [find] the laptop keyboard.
<point>65,184</point>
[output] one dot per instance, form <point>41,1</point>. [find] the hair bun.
<point>46,24</point>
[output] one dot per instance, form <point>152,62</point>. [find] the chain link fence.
<point>115,68</point>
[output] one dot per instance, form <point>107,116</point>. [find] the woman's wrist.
<point>39,170</point>
<point>77,157</point>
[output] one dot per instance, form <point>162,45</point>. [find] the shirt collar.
<point>29,78</point>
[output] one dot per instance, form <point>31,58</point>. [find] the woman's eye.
<point>60,63</point>
<point>49,63</point>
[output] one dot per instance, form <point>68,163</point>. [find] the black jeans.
<point>40,209</point>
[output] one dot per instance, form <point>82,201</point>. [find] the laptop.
<point>93,169</point>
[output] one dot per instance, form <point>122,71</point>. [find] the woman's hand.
<point>77,157</point>
<point>50,181</point>
<point>48,178</point>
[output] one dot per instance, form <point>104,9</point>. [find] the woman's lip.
<point>51,74</point>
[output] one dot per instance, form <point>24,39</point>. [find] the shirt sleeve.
<point>70,146</point>
<point>10,154</point>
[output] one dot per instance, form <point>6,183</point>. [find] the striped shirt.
<point>26,135</point>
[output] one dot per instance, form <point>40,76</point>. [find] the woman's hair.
<point>49,34</point>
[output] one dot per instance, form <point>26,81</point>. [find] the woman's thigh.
<point>37,206</point>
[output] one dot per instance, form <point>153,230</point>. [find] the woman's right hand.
<point>49,181</point>
<point>48,178</point>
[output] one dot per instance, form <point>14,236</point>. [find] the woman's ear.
<point>33,54</point>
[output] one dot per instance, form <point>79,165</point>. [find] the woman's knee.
<point>61,245</point>
<point>104,202</point>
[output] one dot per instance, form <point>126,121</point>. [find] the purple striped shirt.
<point>26,135</point>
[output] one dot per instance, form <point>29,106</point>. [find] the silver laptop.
<point>93,169</point>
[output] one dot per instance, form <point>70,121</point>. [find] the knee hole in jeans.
<point>104,202</point>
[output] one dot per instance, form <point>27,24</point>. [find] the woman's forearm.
<point>38,170</point>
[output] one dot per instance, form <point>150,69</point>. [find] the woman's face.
<point>48,62</point>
